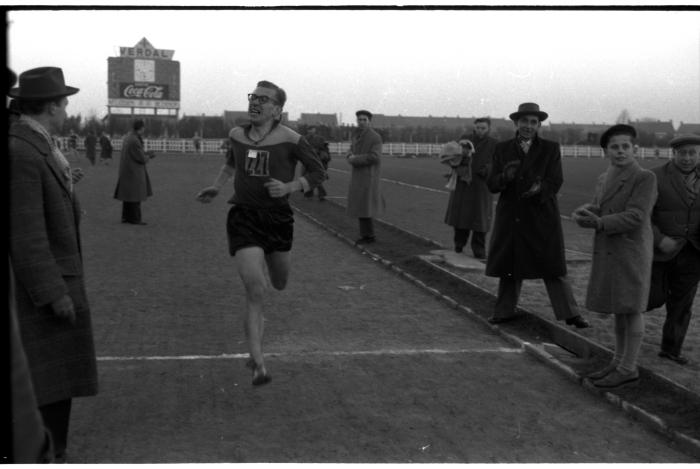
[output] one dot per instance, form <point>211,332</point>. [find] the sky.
<point>580,66</point>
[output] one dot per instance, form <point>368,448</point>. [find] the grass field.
<point>365,366</point>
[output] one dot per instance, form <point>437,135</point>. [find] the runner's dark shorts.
<point>271,229</point>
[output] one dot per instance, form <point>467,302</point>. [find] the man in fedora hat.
<point>676,224</point>
<point>527,240</point>
<point>45,252</point>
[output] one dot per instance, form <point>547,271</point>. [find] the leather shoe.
<point>602,373</point>
<point>579,322</point>
<point>680,359</point>
<point>366,240</point>
<point>260,377</point>
<point>503,319</point>
<point>616,378</point>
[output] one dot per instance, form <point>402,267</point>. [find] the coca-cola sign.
<point>137,91</point>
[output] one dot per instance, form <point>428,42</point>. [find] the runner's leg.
<point>250,264</point>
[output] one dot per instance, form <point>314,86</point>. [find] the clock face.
<point>144,70</point>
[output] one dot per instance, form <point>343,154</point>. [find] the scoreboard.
<point>143,77</point>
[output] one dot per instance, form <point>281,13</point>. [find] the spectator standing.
<point>470,207</point>
<point>320,146</point>
<point>45,253</point>
<point>527,240</point>
<point>676,224</point>
<point>620,274</point>
<point>31,442</point>
<point>197,142</point>
<point>105,148</point>
<point>365,200</point>
<point>133,185</point>
<point>73,147</point>
<point>262,159</point>
<point>90,147</point>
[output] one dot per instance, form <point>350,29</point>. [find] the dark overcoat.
<point>527,240</point>
<point>622,249</point>
<point>471,203</point>
<point>364,193</point>
<point>46,258</point>
<point>90,147</point>
<point>675,215</point>
<point>133,184</point>
<point>105,148</point>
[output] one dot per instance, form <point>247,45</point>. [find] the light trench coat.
<point>623,248</point>
<point>365,199</point>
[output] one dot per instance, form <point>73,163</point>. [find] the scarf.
<point>55,151</point>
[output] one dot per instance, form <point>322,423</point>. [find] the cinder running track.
<point>366,367</point>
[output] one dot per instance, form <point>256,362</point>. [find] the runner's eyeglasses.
<point>261,99</point>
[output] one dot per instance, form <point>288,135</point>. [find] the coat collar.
<point>24,132</point>
<point>619,180</point>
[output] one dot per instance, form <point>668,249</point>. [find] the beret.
<point>617,129</point>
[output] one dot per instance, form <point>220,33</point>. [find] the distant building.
<point>238,118</point>
<point>328,120</point>
<point>654,132</point>
<point>685,128</point>
<point>456,124</point>
<point>575,134</point>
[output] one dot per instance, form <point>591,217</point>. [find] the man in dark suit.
<point>527,240</point>
<point>45,252</point>
<point>676,223</point>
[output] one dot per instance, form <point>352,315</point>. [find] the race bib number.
<point>257,163</point>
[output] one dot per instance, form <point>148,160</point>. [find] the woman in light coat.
<point>622,251</point>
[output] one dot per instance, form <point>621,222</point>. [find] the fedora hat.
<point>529,109</point>
<point>42,83</point>
<point>685,139</point>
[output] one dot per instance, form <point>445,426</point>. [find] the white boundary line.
<point>400,183</point>
<point>228,356</point>
<point>427,189</point>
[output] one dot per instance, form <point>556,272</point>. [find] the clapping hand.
<point>533,190</point>
<point>585,217</point>
<point>509,170</point>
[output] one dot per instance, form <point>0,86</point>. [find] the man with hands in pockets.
<point>262,158</point>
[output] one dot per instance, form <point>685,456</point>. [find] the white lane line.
<point>400,183</point>
<point>228,356</point>
<point>428,189</point>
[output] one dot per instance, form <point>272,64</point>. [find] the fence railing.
<point>401,149</point>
